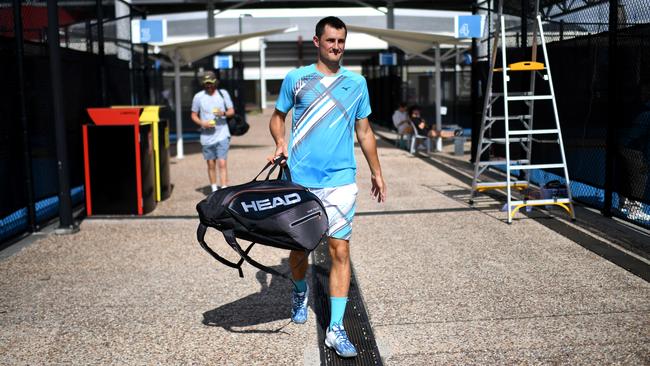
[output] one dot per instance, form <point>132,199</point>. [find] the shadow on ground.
<point>206,190</point>
<point>270,304</point>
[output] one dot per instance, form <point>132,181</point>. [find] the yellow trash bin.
<point>150,114</point>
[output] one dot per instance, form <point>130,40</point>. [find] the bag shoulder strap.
<point>229,235</point>
<point>200,235</point>
<point>225,107</point>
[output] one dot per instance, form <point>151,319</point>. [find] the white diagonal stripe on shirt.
<point>328,80</point>
<point>313,119</point>
<point>346,110</point>
<point>313,108</point>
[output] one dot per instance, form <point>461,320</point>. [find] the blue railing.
<point>46,209</point>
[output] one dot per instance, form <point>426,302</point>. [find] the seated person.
<point>418,122</point>
<point>401,120</point>
<point>425,129</point>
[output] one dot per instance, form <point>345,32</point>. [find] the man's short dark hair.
<point>333,22</point>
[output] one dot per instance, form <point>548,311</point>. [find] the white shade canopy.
<point>190,51</point>
<point>408,41</point>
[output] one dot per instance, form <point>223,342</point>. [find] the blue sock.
<point>337,309</point>
<point>301,285</point>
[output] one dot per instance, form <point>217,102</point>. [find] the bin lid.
<point>149,113</point>
<point>114,116</point>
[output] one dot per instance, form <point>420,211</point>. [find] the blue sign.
<point>388,59</point>
<point>149,31</point>
<point>469,26</point>
<point>223,62</point>
<point>467,59</point>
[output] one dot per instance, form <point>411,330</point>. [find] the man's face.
<point>209,87</point>
<point>331,44</point>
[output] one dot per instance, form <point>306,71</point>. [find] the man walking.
<point>329,103</point>
<point>210,108</point>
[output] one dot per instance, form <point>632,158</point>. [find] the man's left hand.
<point>378,190</point>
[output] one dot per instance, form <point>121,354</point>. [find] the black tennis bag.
<point>273,212</point>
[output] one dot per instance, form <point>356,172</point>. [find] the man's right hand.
<point>280,150</point>
<point>207,124</point>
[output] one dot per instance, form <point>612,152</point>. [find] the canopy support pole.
<point>262,74</point>
<point>438,99</point>
<point>177,102</point>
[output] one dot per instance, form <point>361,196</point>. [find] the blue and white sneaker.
<point>299,306</point>
<point>337,339</point>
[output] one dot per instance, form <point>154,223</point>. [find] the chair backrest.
<point>415,130</point>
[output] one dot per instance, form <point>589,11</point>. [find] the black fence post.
<point>454,89</point>
<point>476,124</point>
<point>100,51</point>
<point>89,37</point>
<point>66,224</point>
<point>524,29</point>
<point>27,151</point>
<point>134,98</point>
<point>145,69</point>
<point>613,103</point>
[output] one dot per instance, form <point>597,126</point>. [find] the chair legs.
<point>414,143</point>
<point>402,141</point>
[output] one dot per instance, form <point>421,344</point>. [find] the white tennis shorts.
<point>340,204</point>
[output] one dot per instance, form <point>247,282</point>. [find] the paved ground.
<point>443,283</point>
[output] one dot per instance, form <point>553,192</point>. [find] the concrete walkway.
<point>443,283</point>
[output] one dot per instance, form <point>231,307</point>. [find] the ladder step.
<point>513,94</point>
<point>526,66</point>
<point>536,166</point>
<point>541,202</point>
<point>498,185</point>
<point>523,66</point>
<point>503,140</point>
<point>529,97</point>
<point>500,162</point>
<point>533,132</point>
<point>515,117</point>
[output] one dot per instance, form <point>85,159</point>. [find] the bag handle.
<point>283,169</point>
<point>277,161</point>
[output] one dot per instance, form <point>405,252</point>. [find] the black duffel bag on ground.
<point>273,212</point>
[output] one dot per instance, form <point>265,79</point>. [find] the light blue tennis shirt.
<point>325,109</point>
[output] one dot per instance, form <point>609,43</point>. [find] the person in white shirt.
<point>210,110</point>
<point>401,118</point>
